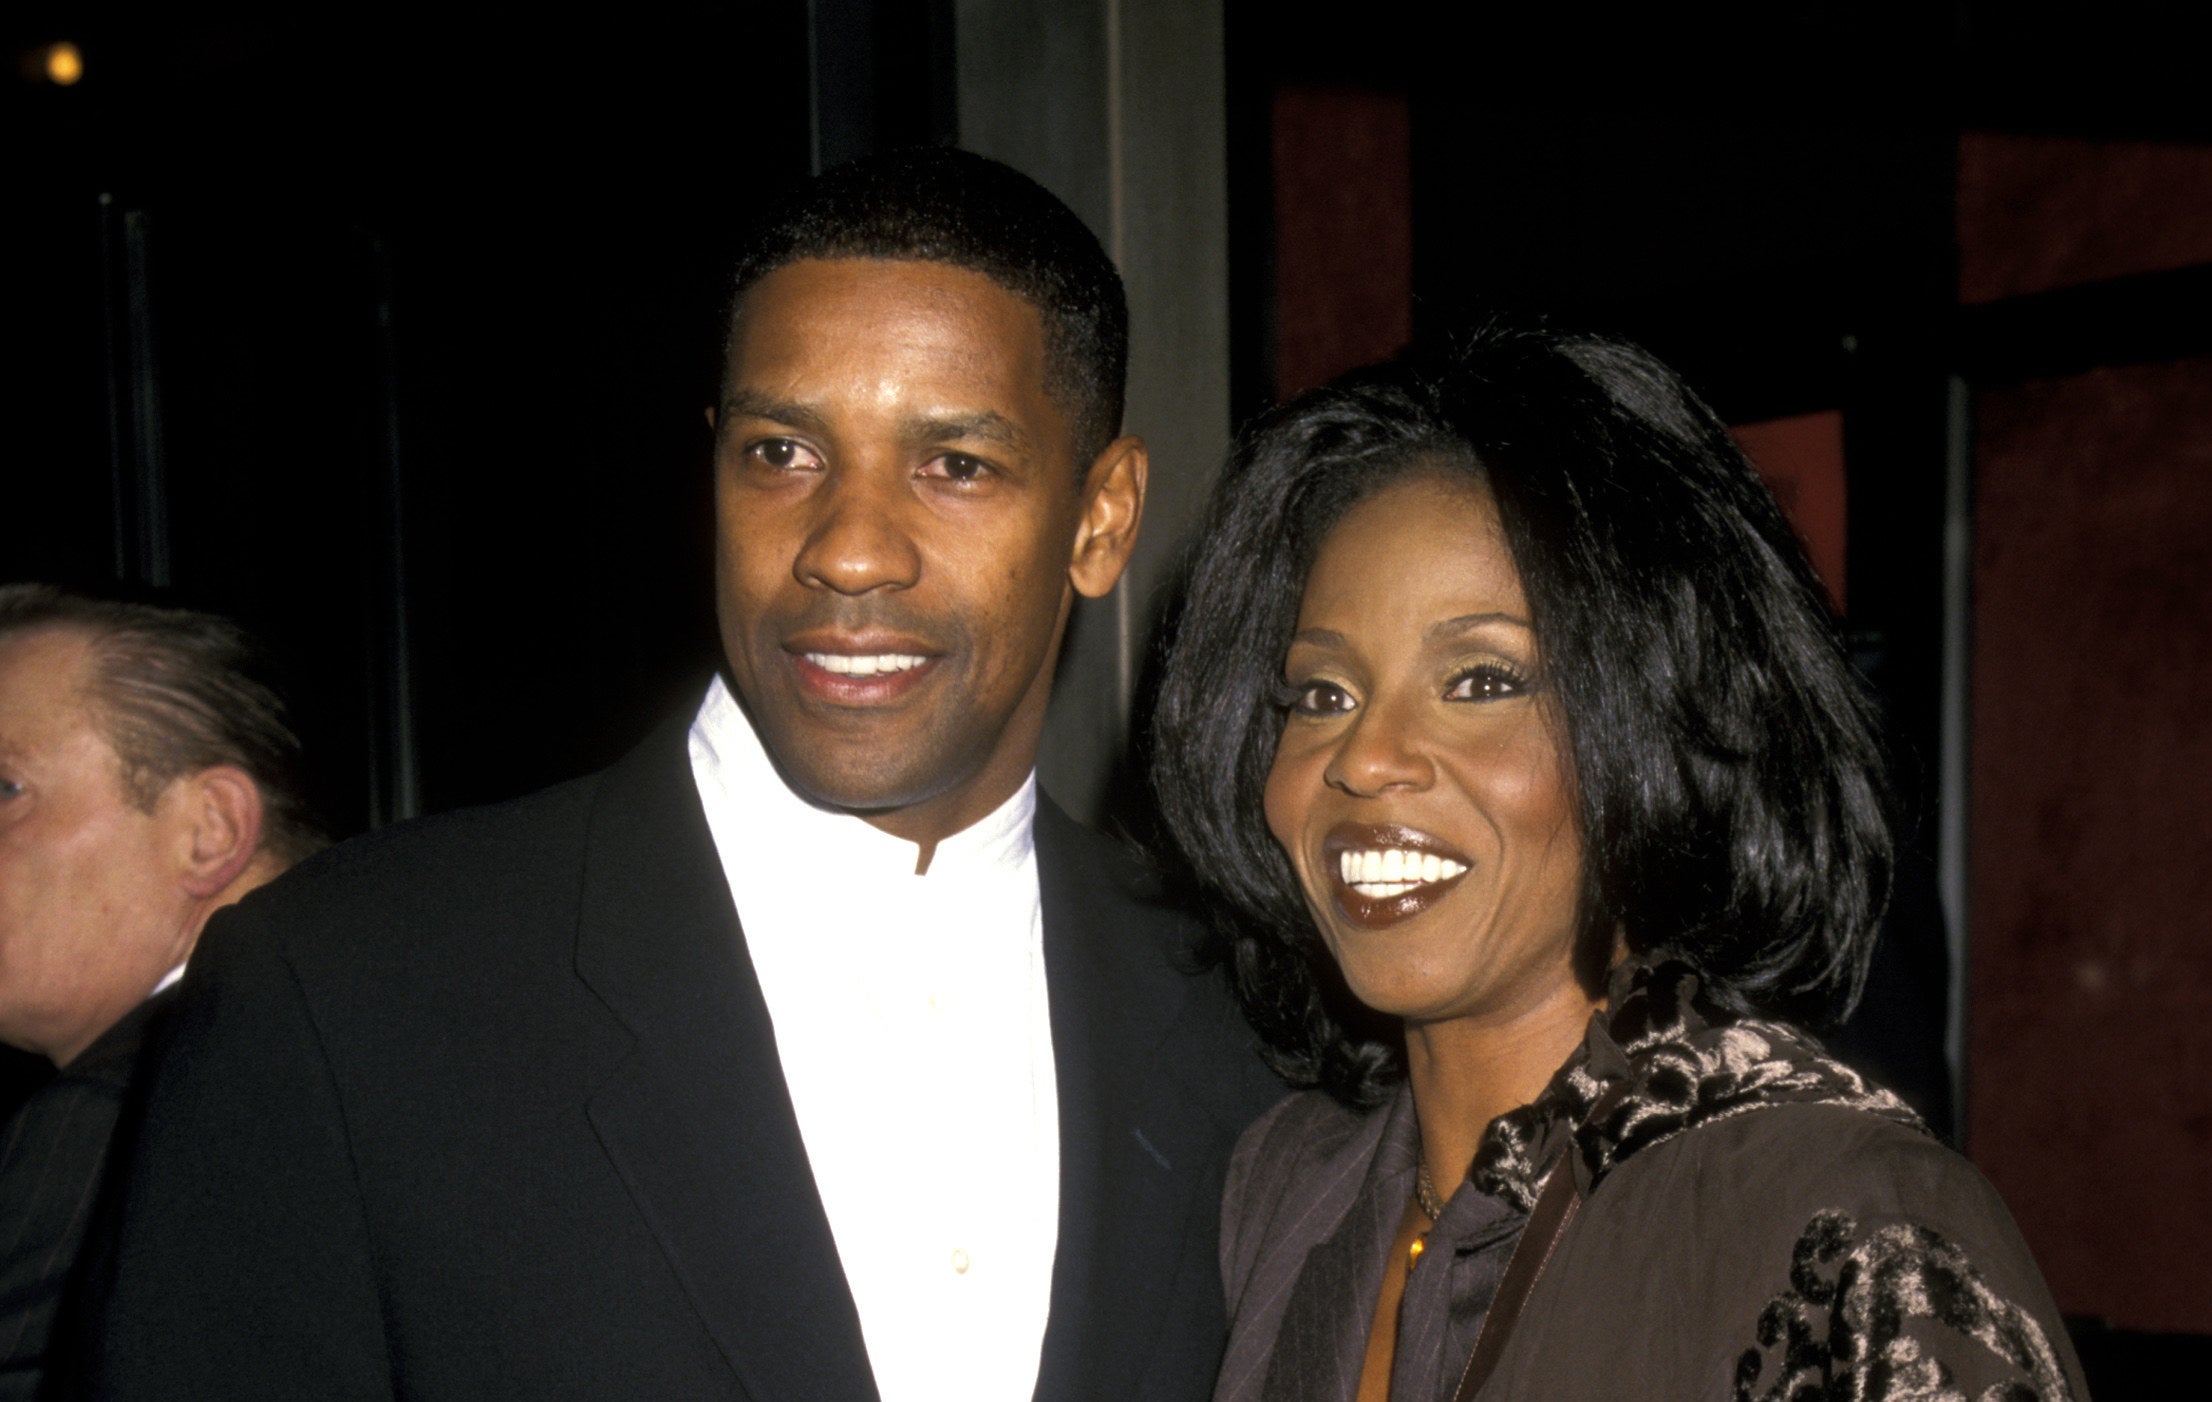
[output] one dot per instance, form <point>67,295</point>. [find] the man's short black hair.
<point>1727,776</point>
<point>176,691</point>
<point>939,205</point>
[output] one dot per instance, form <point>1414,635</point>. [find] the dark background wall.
<point>390,333</point>
<point>2087,267</point>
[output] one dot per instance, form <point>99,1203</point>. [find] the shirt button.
<point>959,1262</point>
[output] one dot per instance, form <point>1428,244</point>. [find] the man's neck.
<point>979,816</point>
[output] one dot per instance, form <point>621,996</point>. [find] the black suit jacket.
<point>490,1105</point>
<point>54,1152</point>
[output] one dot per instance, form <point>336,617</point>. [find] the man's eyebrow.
<point>752,404</point>
<point>985,424</point>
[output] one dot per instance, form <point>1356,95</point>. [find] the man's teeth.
<point>1382,872</point>
<point>865,666</point>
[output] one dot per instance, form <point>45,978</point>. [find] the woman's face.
<point>1421,788</point>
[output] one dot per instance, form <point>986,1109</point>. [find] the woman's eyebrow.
<point>1318,637</point>
<point>1469,622</point>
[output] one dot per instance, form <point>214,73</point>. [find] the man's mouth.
<point>878,664</point>
<point>849,670</point>
<point>1384,873</point>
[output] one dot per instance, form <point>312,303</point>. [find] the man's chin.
<point>864,788</point>
<point>873,765</point>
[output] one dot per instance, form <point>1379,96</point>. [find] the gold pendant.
<point>1413,1252</point>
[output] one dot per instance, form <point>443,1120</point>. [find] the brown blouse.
<point>1758,1220</point>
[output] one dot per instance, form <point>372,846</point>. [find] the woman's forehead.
<point>1425,549</point>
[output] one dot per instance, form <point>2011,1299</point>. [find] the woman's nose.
<point>1380,752</point>
<point>859,542</point>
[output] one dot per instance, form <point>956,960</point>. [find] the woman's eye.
<point>956,467</point>
<point>783,454</point>
<point>1490,682</point>
<point>1318,698</point>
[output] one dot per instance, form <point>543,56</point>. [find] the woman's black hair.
<point>1725,762</point>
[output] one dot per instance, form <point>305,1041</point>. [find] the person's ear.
<point>1113,508</point>
<point>221,808</point>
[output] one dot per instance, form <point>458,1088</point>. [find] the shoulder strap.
<point>1547,1223</point>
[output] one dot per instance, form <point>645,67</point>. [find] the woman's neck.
<point>1465,1072</point>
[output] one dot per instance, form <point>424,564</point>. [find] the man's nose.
<point>1380,752</point>
<point>859,542</point>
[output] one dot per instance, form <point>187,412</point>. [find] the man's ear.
<point>221,809</point>
<point>1113,508</point>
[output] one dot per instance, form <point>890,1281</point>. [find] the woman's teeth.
<point>864,666</point>
<point>1380,873</point>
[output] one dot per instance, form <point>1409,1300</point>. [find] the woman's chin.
<point>1390,986</point>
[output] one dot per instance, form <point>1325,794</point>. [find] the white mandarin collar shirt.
<point>911,1019</point>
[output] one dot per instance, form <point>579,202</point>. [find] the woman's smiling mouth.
<point>1393,871</point>
<point>1382,874</point>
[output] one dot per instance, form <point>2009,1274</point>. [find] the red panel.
<point>2042,212</point>
<point>2090,1041</point>
<point>1801,458</point>
<point>1343,232</point>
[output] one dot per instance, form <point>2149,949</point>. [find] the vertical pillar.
<point>1117,107</point>
<point>139,475</point>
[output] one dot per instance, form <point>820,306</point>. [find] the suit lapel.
<point>1134,1148</point>
<point>1320,1345</point>
<point>698,1121</point>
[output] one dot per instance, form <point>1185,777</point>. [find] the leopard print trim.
<point>1662,1063</point>
<point>1840,1331</point>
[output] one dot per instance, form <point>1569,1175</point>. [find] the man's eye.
<point>783,454</point>
<point>956,467</point>
<point>1489,682</point>
<point>9,788</point>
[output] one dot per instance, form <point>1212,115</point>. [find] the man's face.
<point>91,916</point>
<point>902,524</point>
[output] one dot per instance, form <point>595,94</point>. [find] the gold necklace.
<point>1431,1204</point>
<point>1424,1188</point>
